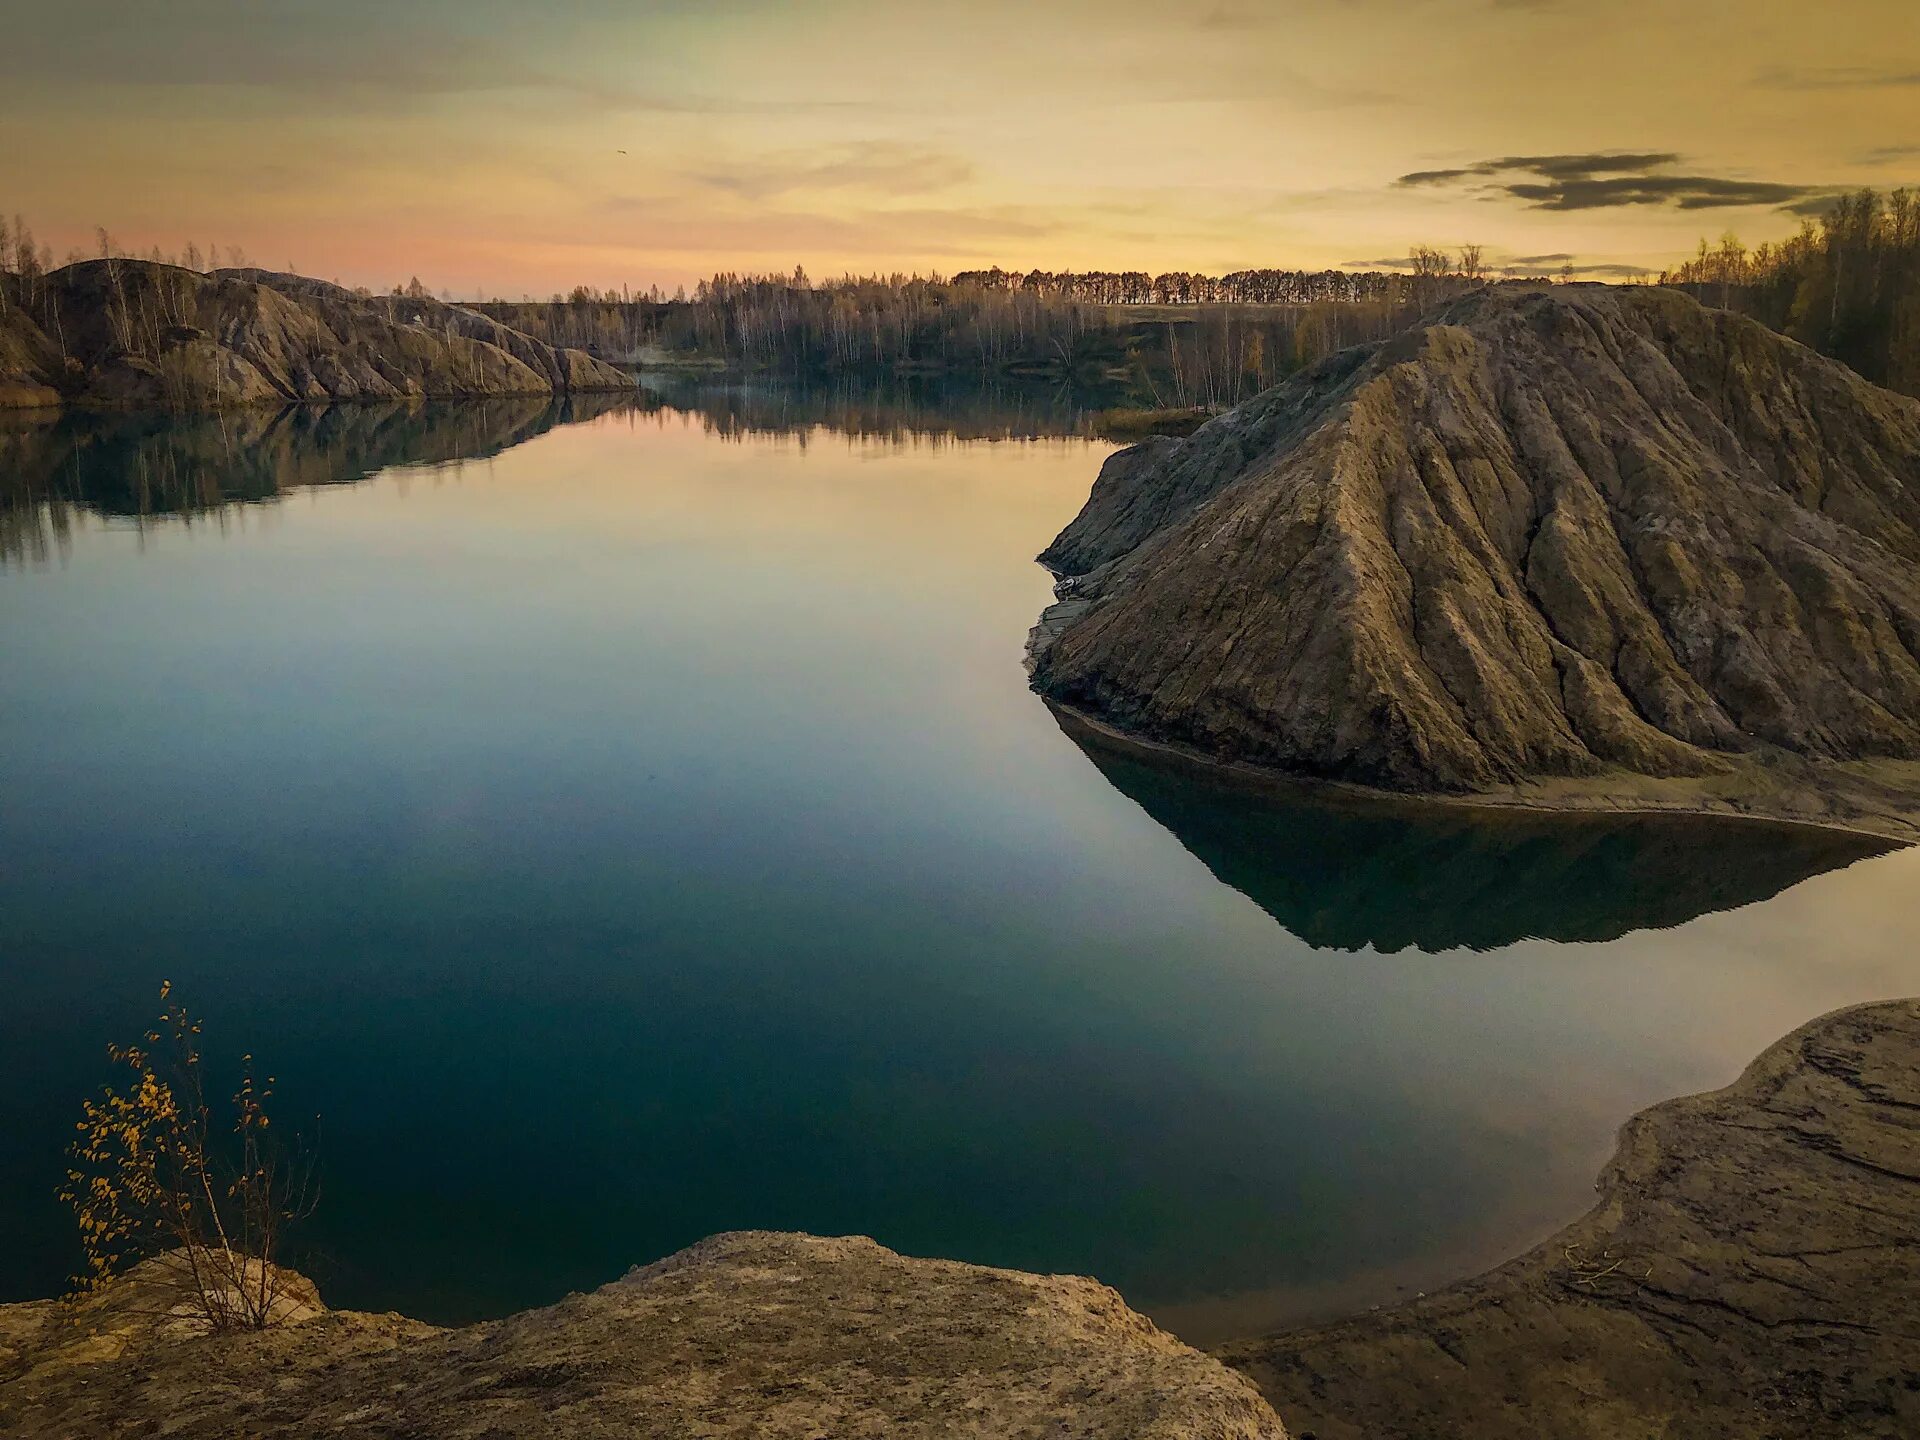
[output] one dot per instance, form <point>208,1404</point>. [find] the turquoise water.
<point>624,826</point>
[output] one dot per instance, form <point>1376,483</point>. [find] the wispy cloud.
<point>1600,180</point>
<point>870,232</point>
<point>1610,270</point>
<point>878,165</point>
<point>1839,77</point>
<point>1558,263</point>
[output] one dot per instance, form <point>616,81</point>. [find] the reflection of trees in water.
<point>893,410</point>
<point>145,465</point>
<point>1344,873</point>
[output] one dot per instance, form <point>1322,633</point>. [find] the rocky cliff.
<point>1565,531</point>
<point>139,334</point>
<point>768,1336</point>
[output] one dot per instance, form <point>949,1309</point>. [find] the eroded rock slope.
<point>1559,531</point>
<point>137,333</point>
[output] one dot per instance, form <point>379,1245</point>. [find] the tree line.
<point>1186,287</point>
<point>1848,285</point>
<point>1229,336</point>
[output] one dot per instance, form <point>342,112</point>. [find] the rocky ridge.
<point>750,1334</point>
<point>1562,533</point>
<point>134,333</point>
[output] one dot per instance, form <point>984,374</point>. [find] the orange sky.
<point>511,148</point>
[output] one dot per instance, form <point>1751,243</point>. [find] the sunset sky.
<point>515,148</point>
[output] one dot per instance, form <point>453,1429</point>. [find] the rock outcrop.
<point>1751,1272</point>
<point>137,333</point>
<point>1560,531</point>
<point>769,1336</point>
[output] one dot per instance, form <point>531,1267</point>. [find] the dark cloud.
<point>1601,180</point>
<point>1436,177</point>
<point>1816,204</point>
<point>1581,167</point>
<point>1839,77</point>
<point>1888,154</point>
<point>1552,167</point>
<point>1686,192</point>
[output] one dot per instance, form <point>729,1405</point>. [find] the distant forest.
<point>1847,286</point>
<point>1175,340</point>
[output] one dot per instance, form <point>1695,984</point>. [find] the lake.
<point>620,823</point>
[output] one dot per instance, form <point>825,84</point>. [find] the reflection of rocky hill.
<point>1572,534</point>
<point>1346,872</point>
<point>152,463</point>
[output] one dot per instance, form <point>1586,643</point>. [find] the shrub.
<point>204,1207</point>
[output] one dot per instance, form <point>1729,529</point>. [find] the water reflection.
<point>1346,873</point>
<point>57,467</point>
<point>897,410</point>
<point>148,465</point>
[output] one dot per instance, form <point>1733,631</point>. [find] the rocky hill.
<point>751,1335</point>
<point>1559,533</point>
<point>1749,1273</point>
<point>140,334</point>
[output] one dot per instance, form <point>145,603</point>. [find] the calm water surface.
<point>624,827</point>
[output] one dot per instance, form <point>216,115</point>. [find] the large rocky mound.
<point>1751,1272</point>
<point>1559,531</point>
<point>137,333</point>
<point>769,1336</point>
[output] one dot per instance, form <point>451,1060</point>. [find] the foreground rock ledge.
<point>747,1334</point>
<point>1752,1270</point>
